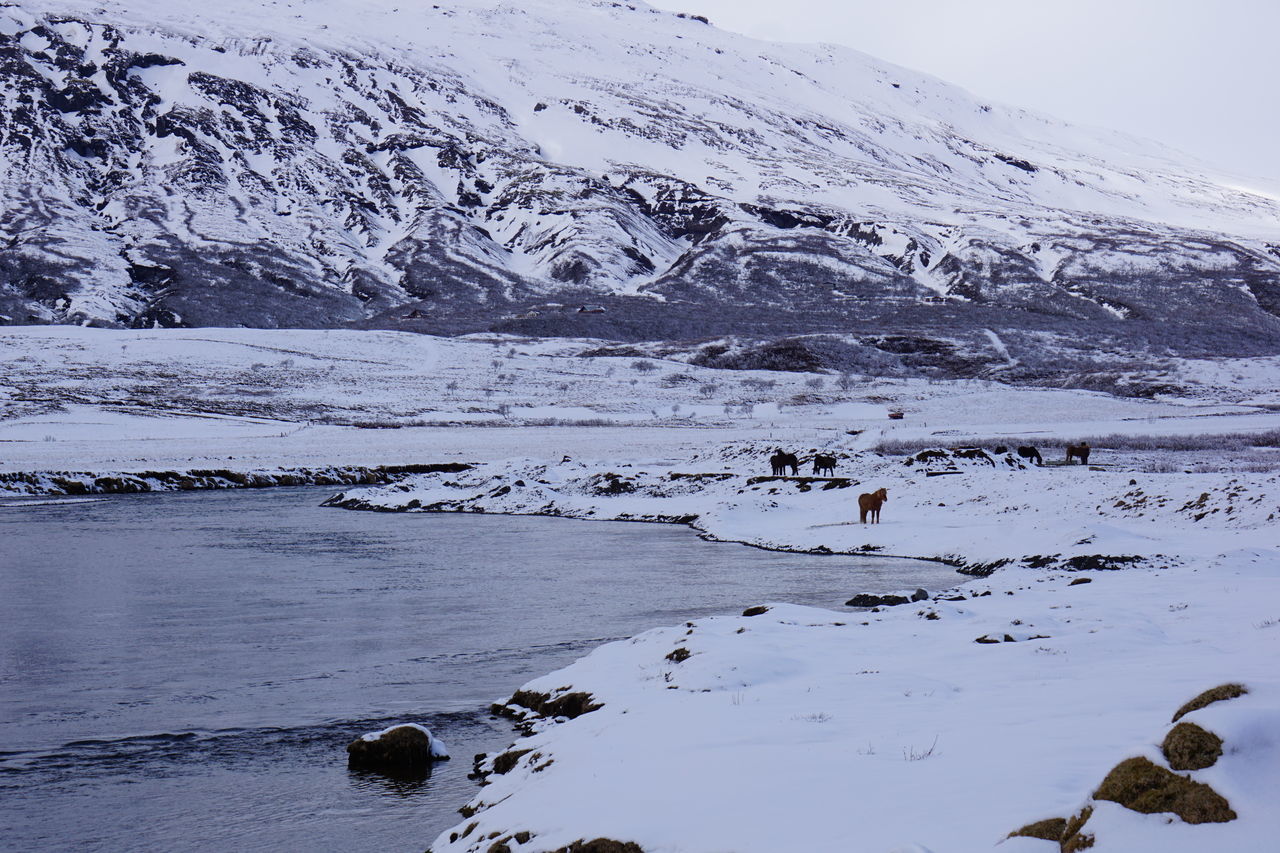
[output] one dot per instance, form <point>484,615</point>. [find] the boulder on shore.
<point>397,748</point>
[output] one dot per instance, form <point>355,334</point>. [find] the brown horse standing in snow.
<point>1078,451</point>
<point>870,505</point>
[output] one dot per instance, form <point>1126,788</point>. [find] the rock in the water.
<point>397,748</point>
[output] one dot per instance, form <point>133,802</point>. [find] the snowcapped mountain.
<point>459,166</point>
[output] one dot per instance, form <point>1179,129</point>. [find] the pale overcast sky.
<point>1199,75</point>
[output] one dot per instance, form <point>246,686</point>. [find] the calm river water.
<point>184,671</point>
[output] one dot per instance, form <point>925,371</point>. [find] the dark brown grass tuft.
<point>565,705</point>
<point>507,761</point>
<point>1048,830</point>
<point>1142,786</point>
<point>1189,747</point>
<point>601,845</point>
<point>1221,693</point>
<point>1072,838</point>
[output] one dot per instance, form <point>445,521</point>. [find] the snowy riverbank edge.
<point>48,483</point>
<point>807,729</point>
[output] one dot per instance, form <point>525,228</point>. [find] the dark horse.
<point>782,461</point>
<point>824,463</point>
<point>1031,454</point>
<point>870,505</point>
<point>1078,451</point>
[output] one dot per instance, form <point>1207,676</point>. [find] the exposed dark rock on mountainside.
<point>485,166</point>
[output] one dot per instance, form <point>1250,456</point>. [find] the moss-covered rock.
<point>1221,693</point>
<point>1189,747</point>
<point>1140,785</point>
<point>394,750</point>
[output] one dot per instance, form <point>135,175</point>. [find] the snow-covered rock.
<point>397,747</point>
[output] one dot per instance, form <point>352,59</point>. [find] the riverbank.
<point>204,479</point>
<point>973,507</point>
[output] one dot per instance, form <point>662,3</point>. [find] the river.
<point>182,671</point>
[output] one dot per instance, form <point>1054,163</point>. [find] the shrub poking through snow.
<point>679,654</point>
<point>396,749</point>
<point>758,610</point>
<point>1189,747</point>
<point>1214,694</point>
<point>1141,786</point>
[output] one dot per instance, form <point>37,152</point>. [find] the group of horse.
<point>1074,451</point>
<point>823,463</point>
<point>782,462</point>
<point>869,504</point>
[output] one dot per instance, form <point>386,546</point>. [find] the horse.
<point>1030,453</point>
<point>870,505</point>
<point>782,461</point>
<point>1078,451</point>
<point>824,463</point>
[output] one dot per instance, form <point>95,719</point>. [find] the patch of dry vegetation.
<point>1048,830</point>
<point>1142,786</point>
<point>1220,693</point>
<point>1189,747</point>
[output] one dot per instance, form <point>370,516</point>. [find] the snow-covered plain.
<point>797,728</point>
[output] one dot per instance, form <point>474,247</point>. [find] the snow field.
<point>807,729</point>
<point>137,400</point>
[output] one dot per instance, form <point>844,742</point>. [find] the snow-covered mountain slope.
<point>452,166</point>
